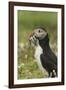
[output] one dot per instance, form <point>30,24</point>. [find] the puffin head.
<point>36,35</point>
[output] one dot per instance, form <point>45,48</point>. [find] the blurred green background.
<point>27,20</point>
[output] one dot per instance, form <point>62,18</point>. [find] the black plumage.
<point>48,58</point>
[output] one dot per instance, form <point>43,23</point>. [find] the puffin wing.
<point>52,56</point>
<point>47,63</point>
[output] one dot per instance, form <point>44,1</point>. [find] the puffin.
<point>44,55</point>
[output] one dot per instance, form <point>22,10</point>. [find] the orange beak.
<point>30,34</point>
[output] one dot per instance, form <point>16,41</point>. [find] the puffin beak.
<point>29,36</point>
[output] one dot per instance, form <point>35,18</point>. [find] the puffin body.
<point>37,55</point>
<point>44,56</point>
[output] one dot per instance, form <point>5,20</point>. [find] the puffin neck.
<point>44,43</point>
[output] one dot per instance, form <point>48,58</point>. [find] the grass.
<point>27,20</point>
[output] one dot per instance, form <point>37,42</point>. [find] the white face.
<point>40,33</point>
<point>37,35</point>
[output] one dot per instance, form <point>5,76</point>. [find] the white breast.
<point>38,52</point>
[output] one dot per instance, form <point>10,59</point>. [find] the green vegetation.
<point>27,20</point>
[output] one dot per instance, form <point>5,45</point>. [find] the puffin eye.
<point>39,31</point>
